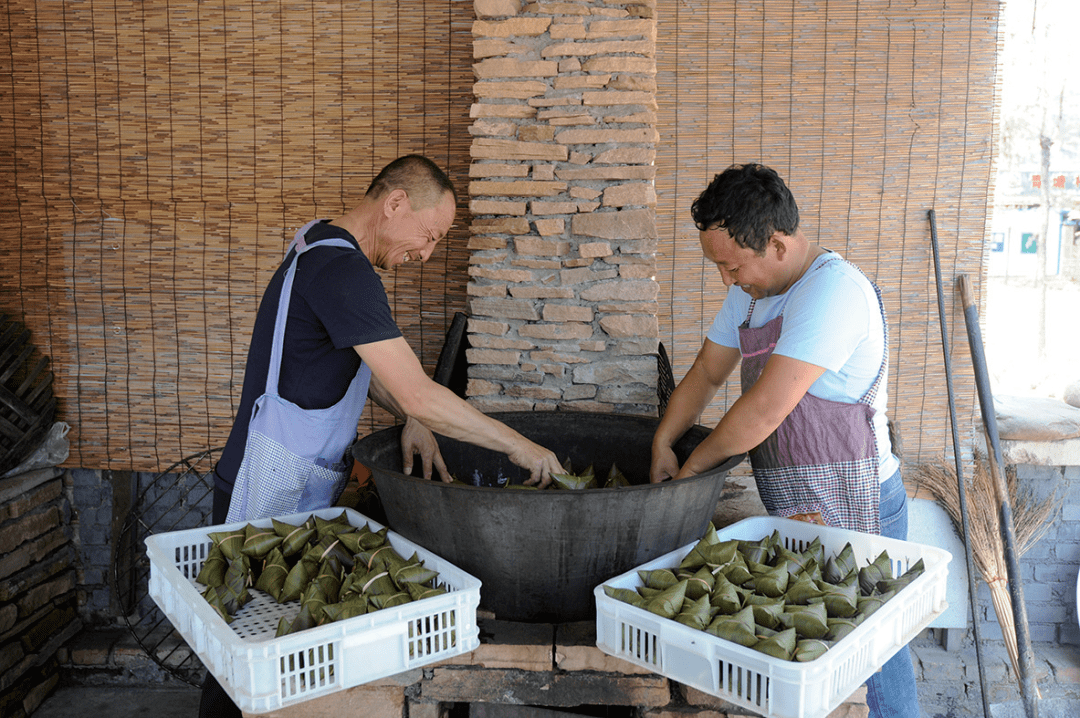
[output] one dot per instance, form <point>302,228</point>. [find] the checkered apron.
<point>296,459</point>
<point>821,463</point>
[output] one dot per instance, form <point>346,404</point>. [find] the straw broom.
<point>1032,519</point>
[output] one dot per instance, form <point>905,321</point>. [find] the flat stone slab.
<point>1049,708</point>
<point>1025,418</point>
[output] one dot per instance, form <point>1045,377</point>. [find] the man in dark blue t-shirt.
<point>338,316</point>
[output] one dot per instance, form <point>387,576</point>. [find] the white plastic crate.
<point>751,679</point>
<point>263,673</point>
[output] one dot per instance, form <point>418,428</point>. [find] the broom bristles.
<point>1031,519</point>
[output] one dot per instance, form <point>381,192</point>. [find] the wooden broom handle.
<point>967,296</point>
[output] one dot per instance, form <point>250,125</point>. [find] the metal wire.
<point>187,484</point>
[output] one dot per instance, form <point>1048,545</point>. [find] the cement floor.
<point>120,702</point>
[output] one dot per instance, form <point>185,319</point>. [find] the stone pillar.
<point>562,292</point>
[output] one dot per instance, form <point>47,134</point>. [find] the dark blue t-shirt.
<point>338,301</point>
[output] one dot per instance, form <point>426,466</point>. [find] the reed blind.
<point>157,158</point>
<point>874,113</point>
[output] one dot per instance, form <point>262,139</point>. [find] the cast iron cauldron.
<point>540,554</point>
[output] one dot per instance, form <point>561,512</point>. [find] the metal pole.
<point>961,487</point>
<point>1016,589</point>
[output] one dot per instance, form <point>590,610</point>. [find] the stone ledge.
<point>1065,452</point>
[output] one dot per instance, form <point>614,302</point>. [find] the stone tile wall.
<point>563,298</point>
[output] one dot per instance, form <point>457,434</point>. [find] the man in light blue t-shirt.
<point>811,335</point>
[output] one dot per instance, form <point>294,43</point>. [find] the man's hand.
<point>418,439</point>
<point>540,462</point>
<point>664,465</point>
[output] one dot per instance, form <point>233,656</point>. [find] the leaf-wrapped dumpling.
<point>275,571</point>
<point>625,595</point>
<point>771,581</point>
<point>736,570</point>
<point>413,573</point>
<point>419,591</point>
<point>810,621</point>
<point>896,584</point>
<point>615,478</point>
<point>810,649</point>
<point>869,604</point>
<point>756,552</point>
<point>294,538</point>
<point>350,608</point>
<point>212,573</point>
<point>658,578</point>
<point>803,590</point>
<point>234,590</point>
<point>781,646</point>
<point>725,596</point>
<point>700,584</point>
<point>335,525</point>
<point>229,542</point>
<point>841,599</point>
<point>389,600</point>
<point>299,576</point>
<point>695,613</point>
<point>377,583</point>
<point>694,559</point>
<point>839,566</point>
<point>879,570</point>
<point>768,612</point>
<point>573,481</point>
<point>668,602</point>
<point>840,627</point>
<point>258,542</point>
<point>737,628</point>
<point>216,599</point>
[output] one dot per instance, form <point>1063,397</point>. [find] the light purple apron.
<point>821,463</point>
<point>296,459</point>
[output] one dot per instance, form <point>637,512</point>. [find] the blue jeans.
<point>890,693</point>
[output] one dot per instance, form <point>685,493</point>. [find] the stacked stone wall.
<point>37,587</point>
<point>562,292</point>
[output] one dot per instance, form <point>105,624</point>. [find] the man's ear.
<point>780,242</point>
<point>396,201</point>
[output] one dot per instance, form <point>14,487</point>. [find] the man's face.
<point>756,274</point>
<point>410,236</point>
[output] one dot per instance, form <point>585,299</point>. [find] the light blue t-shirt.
<point>832,319</point>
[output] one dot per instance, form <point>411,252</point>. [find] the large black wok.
<point>539,554</point>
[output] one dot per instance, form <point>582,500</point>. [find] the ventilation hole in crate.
<point>638,644</point>
<point>308,670</point>
<point>743,683</point>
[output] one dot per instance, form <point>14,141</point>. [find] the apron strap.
<point>276,350</point>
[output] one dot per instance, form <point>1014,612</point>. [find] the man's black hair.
<point>748,201</point>
<point>423,180</point>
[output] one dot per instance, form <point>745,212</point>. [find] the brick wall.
<point>563,298</point>
<point>37,587</point>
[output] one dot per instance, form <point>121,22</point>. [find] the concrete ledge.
<point>1064,452</point>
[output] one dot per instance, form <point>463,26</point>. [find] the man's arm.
<point>756,414</point>
<point>713,365</point>
<point>400,375</point>
<point>415,437</point>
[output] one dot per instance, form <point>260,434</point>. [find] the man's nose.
<point>726,277</point>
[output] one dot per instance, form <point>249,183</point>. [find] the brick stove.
<point>529,670</point>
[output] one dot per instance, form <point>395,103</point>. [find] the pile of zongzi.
<point>334,569</point>
<point>759,594</point>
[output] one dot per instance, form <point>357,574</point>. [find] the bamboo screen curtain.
<point>158,156</point>
<point>874,113</point>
